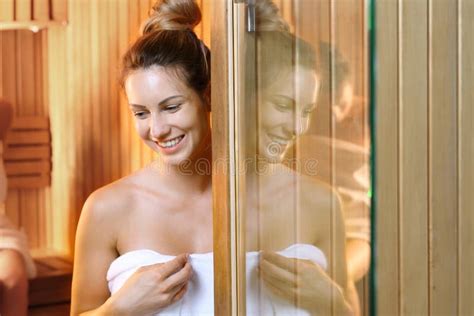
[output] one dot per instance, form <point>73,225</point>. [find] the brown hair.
<point>168,40</point>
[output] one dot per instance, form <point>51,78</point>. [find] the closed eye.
<point>140,114</point>
<point>173,108</point>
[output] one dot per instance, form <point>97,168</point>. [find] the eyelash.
<point>173,108</point>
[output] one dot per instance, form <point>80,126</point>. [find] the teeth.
<point>280,141</point>
<point>171,143</point>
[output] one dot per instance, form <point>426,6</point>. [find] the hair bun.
<point>268,17</point>
<point>173,15</point>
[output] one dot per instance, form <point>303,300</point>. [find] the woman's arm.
<point>147,291</point>
<point>94,252</point>
<point>358,258</point>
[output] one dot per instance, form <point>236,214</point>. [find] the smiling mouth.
<point>280,140</point>
<point>171,143</point>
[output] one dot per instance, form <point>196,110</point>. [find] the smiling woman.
<point>162,213</point>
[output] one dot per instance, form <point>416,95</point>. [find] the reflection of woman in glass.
<point>294,220</point>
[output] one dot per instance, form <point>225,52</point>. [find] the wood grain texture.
<point>23,10</point>
<point>41,10</point>
<point>413,172</point>
<point>466,158</point>
<point>386,182</point>
<point>7,10</point>
<point>220,148</point>
<point>443,158</point>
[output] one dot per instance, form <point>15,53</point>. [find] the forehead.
<point>154,83</point>
<point>300,84</point>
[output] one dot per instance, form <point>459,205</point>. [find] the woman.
<point>144,242</point>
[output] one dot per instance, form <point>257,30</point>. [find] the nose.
<point>159,128</point>
<point>298,124</point>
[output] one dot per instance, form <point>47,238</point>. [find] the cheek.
<point>142,128</point>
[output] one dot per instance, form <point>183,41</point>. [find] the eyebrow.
<point>161,103</point>
<point>293,102</point>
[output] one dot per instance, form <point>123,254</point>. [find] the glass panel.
<point>302,144</point>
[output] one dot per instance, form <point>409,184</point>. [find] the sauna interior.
<point>411,70</point>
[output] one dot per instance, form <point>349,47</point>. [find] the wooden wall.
<point>17,12</point>
<point>75,83</point>
<point>24,84</point>
<point>425,176</point>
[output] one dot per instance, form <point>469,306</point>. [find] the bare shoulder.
<point>95,245</point>
<point>108,203</point>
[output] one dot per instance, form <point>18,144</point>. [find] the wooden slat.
<point>387,160</point>
<point>220,181</point>
<point>9,61</point>
<point>7,8</point>
<point>443,162</point>
<point>25,71</point>
<point>41,10</point>
<point>23,10</point>
<point>114,119</point>
<point>28,182</point>
<point>466,158</point>
<point>59,10</point>
<point>125,130</point>
<point>53,282</point>
<point>413,172</point>
<point>19,153</point>
<point>27,167</point>
<point>27,138</point>
<point>30,122</point>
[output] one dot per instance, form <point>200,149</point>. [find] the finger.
<point>289,264</point>
<point>178,279</point>
<point>277,288</point>
<point>269,270</point>
<point>171,267</point>
<point>180,293</point>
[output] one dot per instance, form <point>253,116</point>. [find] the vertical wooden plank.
<point>41,10</point>
<point>220,179</point>
<point>443,153</point>
<point>26,69</point>
<point>104,110</point>
<point>7,10</point>
<point>387,153</point>
<point>123,21</point>
<point>38,73</point>
<point>23,10</point>
<point>413,157</point>
<point>12,207</point>
<point>8,66</point>
<point>466,157</point>
<point>114,117</point>
<point>59,10</point>
<point>206,22</point>
<point>144,8</point>
<point>136,146</point>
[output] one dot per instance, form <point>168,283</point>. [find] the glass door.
<point>298,240</point>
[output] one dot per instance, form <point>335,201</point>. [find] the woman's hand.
<point>302,282</point>
<point>152,288</point>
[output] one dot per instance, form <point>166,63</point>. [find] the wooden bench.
<point>50,290</point>
<point>27,153</point>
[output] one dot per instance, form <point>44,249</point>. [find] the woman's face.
<point>284,112</point>
<point>169,116</point>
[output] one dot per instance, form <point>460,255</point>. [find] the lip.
<point>282,139</point>
<point>174,149</point>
